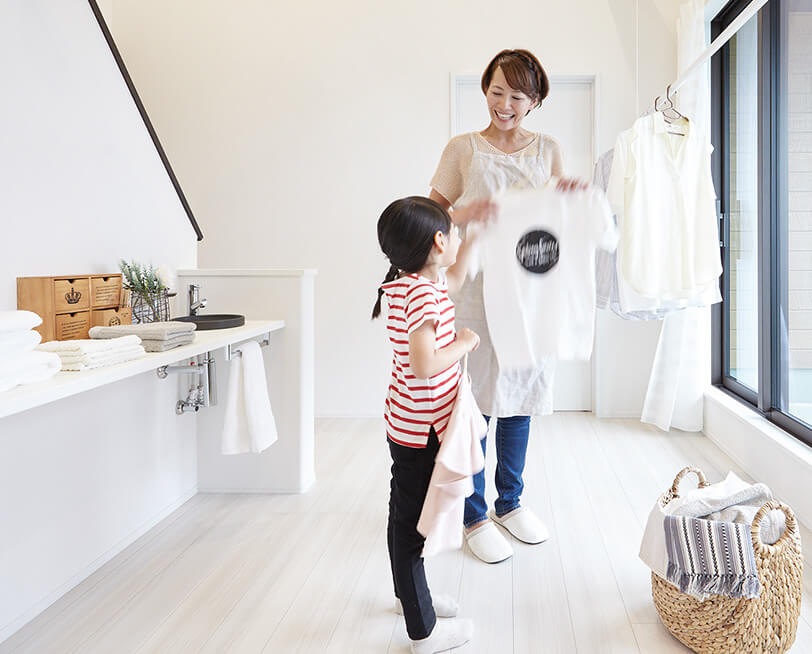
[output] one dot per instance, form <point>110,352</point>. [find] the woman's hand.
<point>468,339</point>
<point>479,211</point>
<point>569,184</point>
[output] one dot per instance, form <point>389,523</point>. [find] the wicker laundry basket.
<point>722,625</point>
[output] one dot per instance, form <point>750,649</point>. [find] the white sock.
<point>446,635</point>
<point>444,606</point>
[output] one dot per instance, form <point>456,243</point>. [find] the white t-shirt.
<point>662,192</point>
<point>538,263</point>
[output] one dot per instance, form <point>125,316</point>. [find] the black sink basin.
<point>214,320</point>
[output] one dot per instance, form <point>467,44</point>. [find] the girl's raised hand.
<point>479,211</point>
<point>568,184</point>
<point>468,338</point>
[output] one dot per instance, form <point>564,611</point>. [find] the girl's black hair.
<point>406,232</point>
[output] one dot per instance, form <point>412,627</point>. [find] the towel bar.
<point>233,350</point>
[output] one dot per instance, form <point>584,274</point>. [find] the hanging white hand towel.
<point>249,423</point>
<point>458,460</point>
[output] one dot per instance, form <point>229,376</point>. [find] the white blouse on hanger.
<point>662,193</point>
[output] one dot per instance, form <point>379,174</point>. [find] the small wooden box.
<point>110,317</point>
<point>66,303</point>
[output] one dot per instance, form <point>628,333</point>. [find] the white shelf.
<point>65,384</point>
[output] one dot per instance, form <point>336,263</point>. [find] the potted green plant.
<point>149,294</point>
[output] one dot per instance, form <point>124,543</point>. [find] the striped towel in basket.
<point>707,557</point>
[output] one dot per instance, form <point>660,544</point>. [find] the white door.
<point>568,114</point>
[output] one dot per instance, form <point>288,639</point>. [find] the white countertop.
<point>248,272</point>
<point>65,384</point>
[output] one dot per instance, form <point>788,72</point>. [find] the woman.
<point>474,167</point>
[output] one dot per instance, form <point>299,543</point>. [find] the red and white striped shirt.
<point>415,405</point>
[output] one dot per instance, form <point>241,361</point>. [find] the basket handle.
<point>755,529</point>
<point>699,474</point>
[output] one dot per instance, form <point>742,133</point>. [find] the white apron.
<point>512,392</point>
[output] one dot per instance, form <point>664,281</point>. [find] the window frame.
<point>772,286</point>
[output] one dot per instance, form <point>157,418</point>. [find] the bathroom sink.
<point>214,320</point>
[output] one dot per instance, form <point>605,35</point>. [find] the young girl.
<point>427,261</point>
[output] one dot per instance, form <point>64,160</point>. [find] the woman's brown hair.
<point>522,72</point>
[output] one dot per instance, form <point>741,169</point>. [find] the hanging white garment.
<point>662,193</point>
<point>606,283</point>
<point>682,368</point>
<point>538,262</point>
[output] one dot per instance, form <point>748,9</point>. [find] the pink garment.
<point>458,460</point>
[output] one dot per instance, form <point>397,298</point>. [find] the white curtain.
<point>682,363</point>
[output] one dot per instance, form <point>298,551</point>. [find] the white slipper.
<point>488,544</point>
<point>523,524</point>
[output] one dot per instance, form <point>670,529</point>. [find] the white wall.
<point>292,126</point>
<point>82,182</point>
<point>81,187</point>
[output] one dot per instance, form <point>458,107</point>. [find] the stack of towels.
<point>87,354</point>
<point>155,336</point>
<point>19,362</point>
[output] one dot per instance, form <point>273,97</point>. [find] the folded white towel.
<point>249,423</point>
<point>733,491</point>
<point>88,346</point>
<point>29,368</point>
<point>88,362</point>
<point>11,321</point>
<point>153,331</point>
<point>12,349</point>
<point>99,357</point>
<point>18,337</point>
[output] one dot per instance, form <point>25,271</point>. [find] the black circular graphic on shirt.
<point>537,251</point>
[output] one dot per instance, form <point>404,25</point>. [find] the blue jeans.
<point>511,449</point>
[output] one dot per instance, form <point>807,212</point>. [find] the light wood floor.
<point>309,573</point>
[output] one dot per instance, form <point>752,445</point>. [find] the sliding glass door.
<point>762,134</point>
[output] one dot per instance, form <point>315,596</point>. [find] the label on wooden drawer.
<point>71,326</point>
<point>71,294</point>
<point>112,317</point>
<point>105,290</point>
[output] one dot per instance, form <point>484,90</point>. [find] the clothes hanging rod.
<point>751,10</point>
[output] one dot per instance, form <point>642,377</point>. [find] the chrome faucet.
<point>195,303</point>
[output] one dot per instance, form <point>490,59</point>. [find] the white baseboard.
<point>766,452</point>
<point>29,614</point>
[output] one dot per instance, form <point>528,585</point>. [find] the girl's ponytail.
<point>390,276</point>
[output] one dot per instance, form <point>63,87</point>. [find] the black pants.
<point>411,473</point>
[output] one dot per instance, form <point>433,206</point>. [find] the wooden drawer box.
<point>110,317</point>
<point>66,303</point>
<point>70,326</point>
